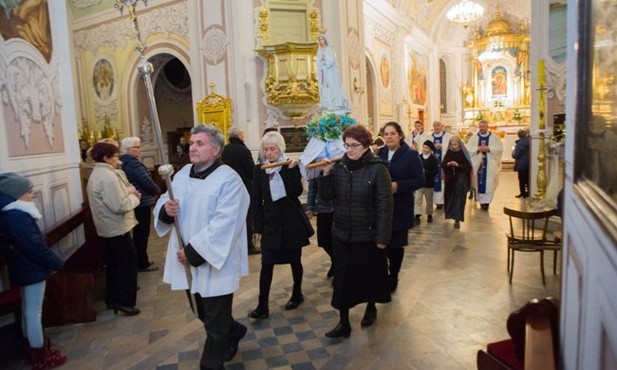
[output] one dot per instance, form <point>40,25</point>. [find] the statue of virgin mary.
<point>332,98</point>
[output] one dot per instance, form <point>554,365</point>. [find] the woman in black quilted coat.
<point>360,187</point>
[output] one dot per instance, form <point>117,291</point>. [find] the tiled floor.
<point>453,298</point>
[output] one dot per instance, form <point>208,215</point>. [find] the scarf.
<point>22,205</point>
<point>277,186</point>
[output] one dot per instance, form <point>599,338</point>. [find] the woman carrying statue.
<point>331,94</point>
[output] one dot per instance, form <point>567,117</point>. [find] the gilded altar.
<point>499,87</point>
<point>216,110</point>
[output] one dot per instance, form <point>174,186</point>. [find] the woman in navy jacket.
<point>30,263</point>
<point>407,176</point>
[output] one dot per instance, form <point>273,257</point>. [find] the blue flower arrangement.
<point>329,127</point>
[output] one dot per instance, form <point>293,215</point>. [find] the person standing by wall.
<point>237,156</point>
<point>210,207</point>
<point>139,176</point>
<point>485,149</point>
<point>361,189</point>
<point>30,263</point>
<point>278,221</point>
<point>521,163</point>
<point>112,201</point>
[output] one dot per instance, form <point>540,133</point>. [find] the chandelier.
<point>465,12</point>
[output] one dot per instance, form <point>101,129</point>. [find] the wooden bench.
<point>66,294</point>
<point>534,342</point>
<point>10,298</point>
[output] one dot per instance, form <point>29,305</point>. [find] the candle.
<point>541,73</point>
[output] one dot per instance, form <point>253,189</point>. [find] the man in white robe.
<point>485,149</point>
<point>441,140</point>
<point>418,136</point>
<point>210,206</point>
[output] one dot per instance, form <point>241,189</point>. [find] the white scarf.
<point>28,207</point>
<point>277,187</point>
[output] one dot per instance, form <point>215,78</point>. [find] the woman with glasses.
<point>407,176</point>
<point>360,188</point>
<point>278,221</point>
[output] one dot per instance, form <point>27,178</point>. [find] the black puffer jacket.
<point>362,200</point>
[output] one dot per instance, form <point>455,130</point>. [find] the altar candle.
<point>541,80</point>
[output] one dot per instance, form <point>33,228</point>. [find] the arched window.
<point>443,87</point>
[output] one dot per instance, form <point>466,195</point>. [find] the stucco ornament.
<point>214,45</point>
<point>85,3</point>
<point>33,96</point>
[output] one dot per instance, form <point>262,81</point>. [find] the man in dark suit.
<point>237,156</point>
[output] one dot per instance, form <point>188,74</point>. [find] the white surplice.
<point>493,164</point>
<point>213,220</point>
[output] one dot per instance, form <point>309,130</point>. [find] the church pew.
<point>66,295</point>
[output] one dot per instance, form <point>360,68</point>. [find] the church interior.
<point>77,71</point>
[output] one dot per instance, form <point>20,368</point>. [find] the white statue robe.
<point>213,220</point>
<point>332,98</point>
<point>485,184</point>
<point>444,138</point>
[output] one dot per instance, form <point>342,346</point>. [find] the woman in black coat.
<point>278,221</point>
<point>360,187</point>
<point>407,176</point>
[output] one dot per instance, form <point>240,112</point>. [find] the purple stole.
<point>438,140</point>
<point>482,171</point>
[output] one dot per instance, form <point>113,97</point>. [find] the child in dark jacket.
<point>429,163</point>
<point>30,263</point>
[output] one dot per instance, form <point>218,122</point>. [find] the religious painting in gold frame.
<point>596,112</point>
<point>216,110</point>
<point>416,77</point>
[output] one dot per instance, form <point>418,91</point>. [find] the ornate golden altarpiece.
<point>499,90</point>
<point>216,110</point>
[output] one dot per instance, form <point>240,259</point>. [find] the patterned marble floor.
<point>453,298</point>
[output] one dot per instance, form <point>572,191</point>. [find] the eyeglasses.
<point>135,147</point>
<point>352,146</point>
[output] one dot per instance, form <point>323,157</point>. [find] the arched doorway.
<point>371,97</point>
<point>174,103</point>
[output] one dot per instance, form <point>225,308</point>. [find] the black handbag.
<point>307,223</point>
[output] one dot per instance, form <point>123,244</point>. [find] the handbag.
<point>307,223</point>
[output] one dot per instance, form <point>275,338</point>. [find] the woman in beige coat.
<point>112,201</point>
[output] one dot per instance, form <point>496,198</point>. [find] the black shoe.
<point>340,330</point>
<point>370,314</point>
<point>293,303</point>
<point>330,273</point>
<point>127,310</point>
<point>439,206</point>
<point>259,313</point>
<point>418,220</point>
<point>457,225</point>
<point>233,348</point>
<point>393,284</point>
<point>470,195</point>
<point>484,206</point>
<point>519,196</point>
<point>429,218</point>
